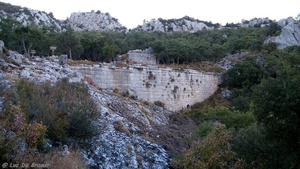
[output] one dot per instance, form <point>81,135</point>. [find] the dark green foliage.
<point>264,114</point>
<point>212,152</point>
<point>273,29</point>
<point>242,77</point>
<point>65,108</point>
<point>204,129</point>
<point>69,43</point>
<point>175,47</point>
<point>245,74</point>
<point>277,107</point>
<point>232,119</point>
<point>249,143</point>
<point>274,141</point>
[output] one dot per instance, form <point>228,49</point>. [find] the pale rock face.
<point>178,25</point>
<point>290,36</point>
<point>94,21</point>
<point>35,17</point>
<point>153,25</point>
<point>284,22</point>
<point>255,22</point>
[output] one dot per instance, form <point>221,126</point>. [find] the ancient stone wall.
<point>142,56</point>
<point>177,88</point>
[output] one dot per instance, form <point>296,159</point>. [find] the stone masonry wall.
<point>177,88</point>
<point>142,56</point>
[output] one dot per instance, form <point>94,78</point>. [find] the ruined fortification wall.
<point>174,87</point>
<point>142,56</point>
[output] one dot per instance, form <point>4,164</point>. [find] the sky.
<point>132,13</point>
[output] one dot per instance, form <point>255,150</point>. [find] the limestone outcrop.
<point>255,22</point>
<point>290,36</point>
<point>185,24</point>
<point>27,16</point>
<point>94,21</point>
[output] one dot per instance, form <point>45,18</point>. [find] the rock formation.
<point>28,16</point>
<point>185,24</point>
<point>97,21</point>
<point>256,22</point>
<point>290,36</point>
<point>94,21</point>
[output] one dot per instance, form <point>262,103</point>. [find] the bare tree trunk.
<point>24,48</point>
<point>70,53</point>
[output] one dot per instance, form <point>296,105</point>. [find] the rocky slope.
<point>29,16</point>
<point>133,134</point>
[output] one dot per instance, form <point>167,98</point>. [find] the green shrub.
<point>204,129</point>
<point>214,151</point>
<point>232,119</point>
<point>65,108</point>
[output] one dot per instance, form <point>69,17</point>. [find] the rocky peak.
<point>255,22</point>
<point>290,33</point>
<point>185,24</point>
<point>28,16</point>
<point>94,21</point>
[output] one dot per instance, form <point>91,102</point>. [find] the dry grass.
<point>91,82</point>
<point>52,160</point>
<point>119,126</point>
<point>79,62</point>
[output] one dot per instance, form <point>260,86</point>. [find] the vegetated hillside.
<point>176,47</point>
<point>46,105</point>
<point>253,122</point>
<point>180,47</point>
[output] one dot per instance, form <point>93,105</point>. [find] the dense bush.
<point>34,113</point>
<point>263,116</point>
<point>214,151</point>
<point>65,108</point>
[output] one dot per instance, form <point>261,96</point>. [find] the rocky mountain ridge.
<point>97,21</point>
<point>28,16</point>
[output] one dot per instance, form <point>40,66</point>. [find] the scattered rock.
<point>230,60</point>
<point>3,64</point>
<point>15,58</point>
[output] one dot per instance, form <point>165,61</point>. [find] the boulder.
<point>15,58</point>
<point>3,64</point>
<point>290,36</point>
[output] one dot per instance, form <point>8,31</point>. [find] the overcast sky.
<point>131,13</point>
